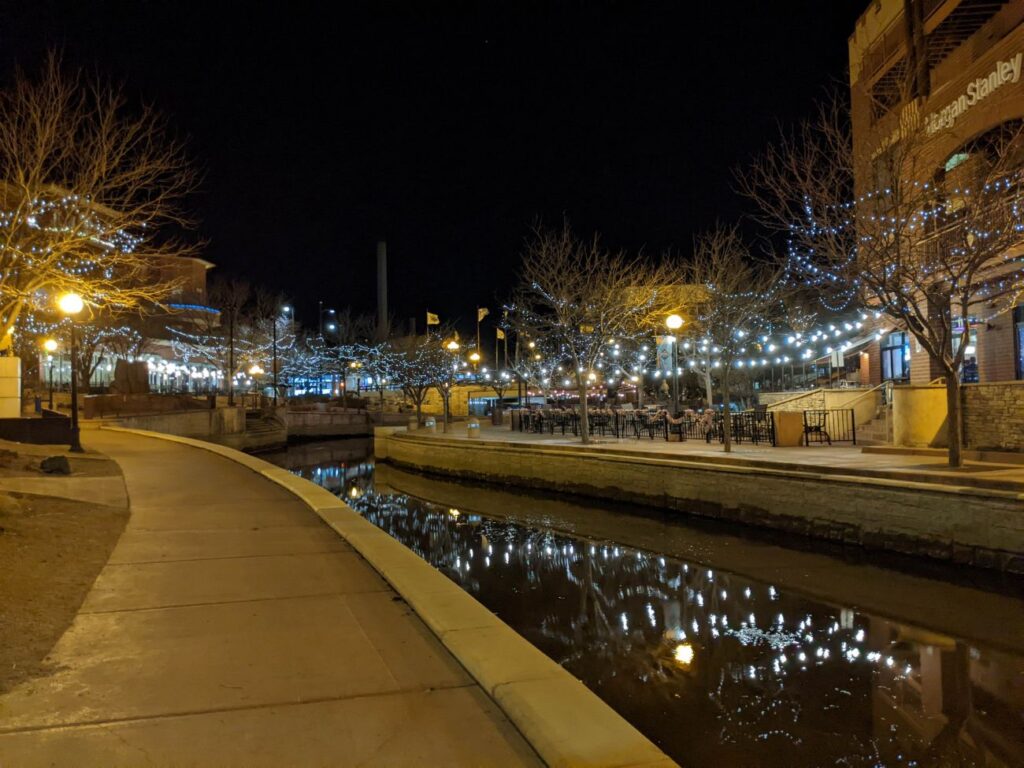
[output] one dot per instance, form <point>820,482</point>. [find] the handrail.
<point>937,380</point>
<point>865,394</point>
<point>808,393</point>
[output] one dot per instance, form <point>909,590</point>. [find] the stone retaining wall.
<point>811,400</point>
<point>983,528</point>
<point>994,416</point>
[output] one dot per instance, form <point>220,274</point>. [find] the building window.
<point>1018,335</point>
<point>969,367</point>
<point>954,160</point>
<point>896,357</point>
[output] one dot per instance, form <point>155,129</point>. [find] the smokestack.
<point>383,331</point>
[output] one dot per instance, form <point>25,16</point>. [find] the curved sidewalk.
<point>232,626</point>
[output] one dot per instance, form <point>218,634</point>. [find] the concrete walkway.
<point>232,627</point>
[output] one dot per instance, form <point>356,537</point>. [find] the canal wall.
<point>328,423</point>
<point>976,526</point>
<point>814,569</point>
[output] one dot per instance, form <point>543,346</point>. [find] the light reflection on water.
<point>716,668</point>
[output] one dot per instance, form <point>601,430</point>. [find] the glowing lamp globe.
<point>674,322</point>
<point>255,369</point>
<point>50,345</point>
<point>475,357</point>
<point>683,654</point>
<point>70,303</point>
<point>453,346</point>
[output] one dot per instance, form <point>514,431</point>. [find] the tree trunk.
<point>419,412</point>
<point>581,387</point>
<point>444,401</point>
<point>231,358</point>
<point>726,415</point>
<point>954,420</point>
<point>708,389</point>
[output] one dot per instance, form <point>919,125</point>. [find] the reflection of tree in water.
<point>773,679</point>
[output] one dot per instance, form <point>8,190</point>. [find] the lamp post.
<point>70,304</point>
<point>50,345</point>
<point>474,358</point>
<point>453,347</point>
<point>256,370</point>
<point>674,322</point>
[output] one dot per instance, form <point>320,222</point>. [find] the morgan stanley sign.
<point>1004,73</point>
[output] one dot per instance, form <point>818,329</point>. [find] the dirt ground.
<point>50,553</point>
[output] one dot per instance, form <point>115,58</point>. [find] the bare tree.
<point>91,196</point>
<point>738,298</point>
<point>534,365</point>
<point>414,363</point>
<point>580,298</point>
<point>230,297</point>
<point>934,250</point>
<point>381,363</point>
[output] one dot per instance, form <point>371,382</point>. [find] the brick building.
<point>953,68</point>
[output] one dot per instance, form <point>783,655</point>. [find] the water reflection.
<point>716,668</point>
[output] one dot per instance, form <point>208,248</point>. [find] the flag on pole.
<point>433,319</point>
<point>481,313</point>
<point>501,334</point>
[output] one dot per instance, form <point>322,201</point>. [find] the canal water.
<point>725,649</point>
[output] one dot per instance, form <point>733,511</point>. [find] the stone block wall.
<point>983,528</point>
<point>994,416</point>
<point>811,400</point>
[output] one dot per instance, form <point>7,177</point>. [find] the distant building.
<point>955,68</point>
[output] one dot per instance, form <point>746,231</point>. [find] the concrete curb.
<point>565,722</point>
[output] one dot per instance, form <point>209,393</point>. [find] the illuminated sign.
<point>1004,73</point>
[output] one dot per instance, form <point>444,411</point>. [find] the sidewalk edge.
<point>565,722</point>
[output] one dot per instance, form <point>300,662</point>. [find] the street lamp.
<point>71,304</point>
<point>474,358</point>
<point>50,345</point>
<point>674,322</point>
<point>255,370</point>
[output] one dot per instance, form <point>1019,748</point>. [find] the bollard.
<point>473,428</point>
<point>414,424</point>
<point>430,425</point>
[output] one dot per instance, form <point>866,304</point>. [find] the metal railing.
<point>836,425</point>
<point>755,427</point>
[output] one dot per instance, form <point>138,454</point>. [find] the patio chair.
<point>675,427</point>
<point>815,424</point>
<point>650,423</point>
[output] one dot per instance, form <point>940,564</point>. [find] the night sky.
<point>448,128</point>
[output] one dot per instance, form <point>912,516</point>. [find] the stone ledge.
<point>563,720</point>
<point>981,527</point>
<point>881,478</point>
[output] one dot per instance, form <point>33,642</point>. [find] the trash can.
<point>38,404</point>
<point>414,424</point>
<point>473,428</point>
<point>430,424</point>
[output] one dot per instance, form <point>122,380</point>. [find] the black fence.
<point>755,427</point>
<point>836,425</point>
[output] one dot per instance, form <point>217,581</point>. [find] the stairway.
<point>878,431</point>
<point>262,432</point>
